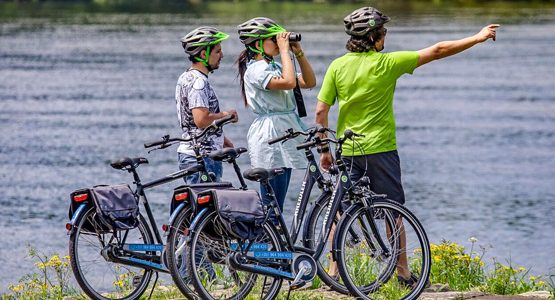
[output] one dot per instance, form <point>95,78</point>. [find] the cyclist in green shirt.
<point>363,83</point>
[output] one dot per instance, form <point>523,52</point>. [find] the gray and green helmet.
<point>363,20</point>
<point>200,38</point>
<point>258,29</point>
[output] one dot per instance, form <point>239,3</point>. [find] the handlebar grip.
<point>306,145</point>
<point>350,134</point>
<point>278,139</point>
<point>220,122</point>
<point>157,143</point>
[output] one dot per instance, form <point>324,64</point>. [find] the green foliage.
<point>51,281</point>
<point>509,280</point>
<point>462,271</point>
<point>453,266</point>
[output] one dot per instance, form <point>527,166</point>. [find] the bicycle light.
<point>181,196</point>
<point>203,199</point>
<point>80,197</point>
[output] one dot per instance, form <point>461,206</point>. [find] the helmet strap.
<point>261,51</point>
<point>205,60</point>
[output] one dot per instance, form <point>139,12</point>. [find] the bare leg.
<point>402,263</point>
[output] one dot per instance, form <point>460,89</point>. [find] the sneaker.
<point>411,281</point>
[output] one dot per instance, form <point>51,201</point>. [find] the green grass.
<point>452,264</point>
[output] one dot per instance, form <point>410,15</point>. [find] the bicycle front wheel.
<point>212,275</point>
<point>390,242</point>
<point>98,277</point>
<point>326,266</point>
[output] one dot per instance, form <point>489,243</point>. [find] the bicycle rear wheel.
<point>211,274</point>
<point>392,240</point>
<point>99,278</point>
<point>177,252</point>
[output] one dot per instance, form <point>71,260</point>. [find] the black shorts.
<point>384,171</point>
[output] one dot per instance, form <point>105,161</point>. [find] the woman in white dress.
<point>267,88</point>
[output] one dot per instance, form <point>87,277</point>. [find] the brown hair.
<point>366,42</point>
<point>241,62</point>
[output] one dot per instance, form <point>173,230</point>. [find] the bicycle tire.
<point>177,262</point>
<point>210,239</point>
<point>356,267</point>
<point>99,278</point>
<point>311,234</point>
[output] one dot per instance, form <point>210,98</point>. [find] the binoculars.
<point>295,37</point>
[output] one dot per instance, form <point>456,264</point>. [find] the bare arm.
<point>287,81</point>
<point>307,79</point>
<point>322,112</point>
<point>203,117</point>
<point>448,48</point>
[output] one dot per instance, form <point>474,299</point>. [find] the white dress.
<point>276,112</point>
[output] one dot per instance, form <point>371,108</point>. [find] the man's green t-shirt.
<point>364,85</point>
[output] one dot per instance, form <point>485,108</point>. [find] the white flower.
<point>472,239</point>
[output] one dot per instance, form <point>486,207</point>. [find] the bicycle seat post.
<point>239,175</point>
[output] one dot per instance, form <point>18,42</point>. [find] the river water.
<point>476,132</point>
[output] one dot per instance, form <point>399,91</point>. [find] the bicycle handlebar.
<point>290,134</point>
<point>166,141</point>
<point>348,134</point>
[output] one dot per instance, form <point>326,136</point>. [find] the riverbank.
<point>436,292</point>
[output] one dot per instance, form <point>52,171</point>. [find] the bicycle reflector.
<point>181,196</point>
<point>80,197</point>
<point>204,199</point>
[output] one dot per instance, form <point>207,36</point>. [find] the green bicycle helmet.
<point>258,29</point>
<point>364,20</point>
<point>202,38</point>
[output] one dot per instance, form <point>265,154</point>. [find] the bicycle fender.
<point>321,201</point>
<point>336,242</point>
<point>176,212</point>
<point>199,217</point>
<point>77,215</point>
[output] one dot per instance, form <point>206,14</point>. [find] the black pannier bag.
<point>117,206</point>
<point>242,212</point>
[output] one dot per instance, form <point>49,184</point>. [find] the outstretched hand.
<point>488,32</point>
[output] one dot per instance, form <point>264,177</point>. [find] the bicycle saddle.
<point>227,153</point>
<point>126,162</point>
<point>261,174</point>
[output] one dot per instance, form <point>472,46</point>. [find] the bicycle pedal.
<point>298,285</point>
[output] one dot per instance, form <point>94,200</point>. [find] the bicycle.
<point>312,177</point>
<point>274,253</point>
<point>119,264</point>
<point>367,264</point>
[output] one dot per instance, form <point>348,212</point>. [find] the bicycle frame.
<point>342,187</point>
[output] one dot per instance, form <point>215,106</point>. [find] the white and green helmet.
<point>202,38</point>
<point>258,29</point>
<point>363,20</point>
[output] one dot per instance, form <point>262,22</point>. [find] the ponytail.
<point>241,62</point>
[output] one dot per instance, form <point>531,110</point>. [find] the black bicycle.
<point>218,282</point>
<point>274,255</point>
<point>119,264</point>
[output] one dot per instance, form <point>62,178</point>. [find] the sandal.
<point>411,281</point>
